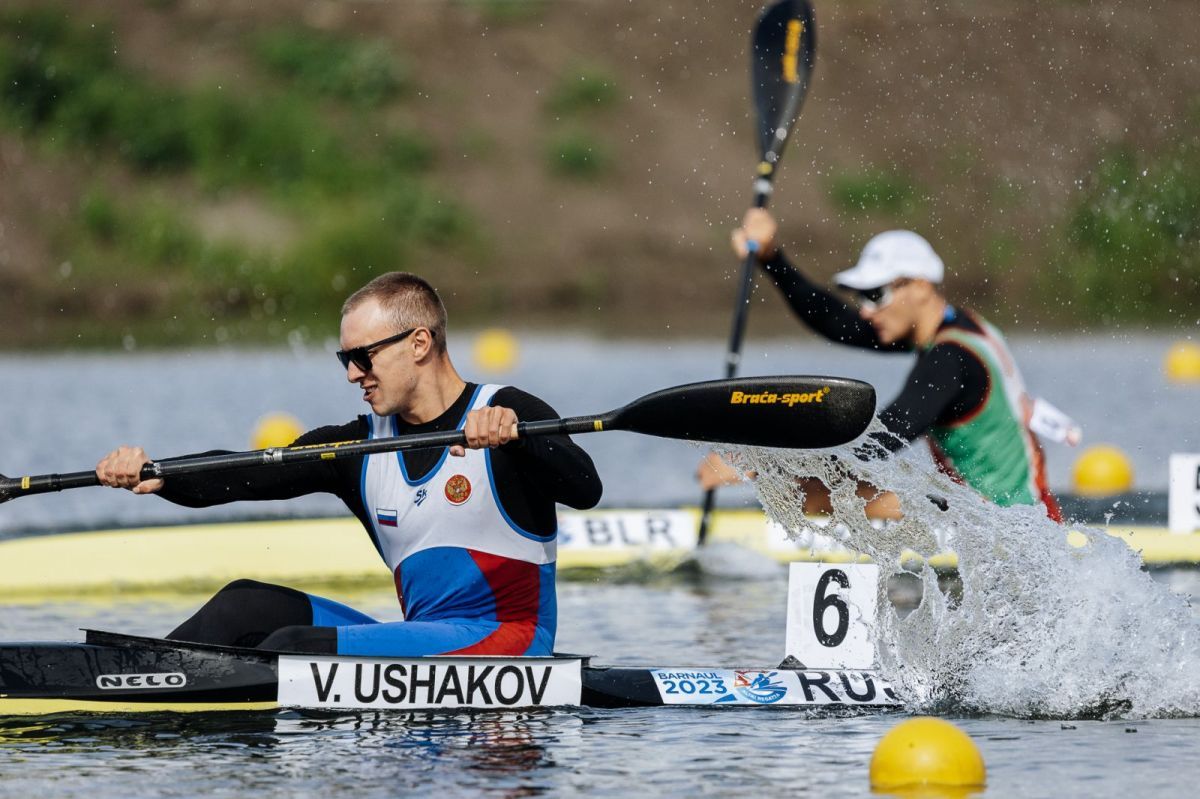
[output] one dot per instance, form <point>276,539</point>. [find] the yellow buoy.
<point>1101,471</point>
<point>925,751</point>
<point>1182,363</point>
<point>275,430</point>
<point>496,350</point>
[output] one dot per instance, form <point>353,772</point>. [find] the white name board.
<point>439,682</point>
<point>1183,494</point>
<point>656,530</point>
<point>831,614</point>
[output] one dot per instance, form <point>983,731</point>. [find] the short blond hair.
<point>408,299</point>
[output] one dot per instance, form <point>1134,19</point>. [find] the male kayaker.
<point>964,393</point>
<point>469,533</point>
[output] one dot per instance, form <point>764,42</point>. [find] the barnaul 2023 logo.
<point>759,686</point>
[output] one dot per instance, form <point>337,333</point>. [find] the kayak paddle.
<point>791,412</point>
<point>783,52</point>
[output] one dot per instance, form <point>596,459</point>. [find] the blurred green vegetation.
<point>578,155</point>
<point>321,63</point>
<point>1132,245</point>
<point>583,89</point>
<point>875,191</point>
<point>173,171</point>
<point>1127,247</point>
<point>573,150</point>
<point>357,188</point>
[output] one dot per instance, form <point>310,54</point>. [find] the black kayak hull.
<point>118,674</point>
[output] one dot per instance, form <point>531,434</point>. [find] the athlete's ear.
<point>422,343</point>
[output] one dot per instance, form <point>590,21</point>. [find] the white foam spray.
<point>1044,628</point>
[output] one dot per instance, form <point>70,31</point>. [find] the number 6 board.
<point>831,614</point>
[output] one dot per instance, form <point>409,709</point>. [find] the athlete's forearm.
<point>248,483</point>
<point>265,482</point>
<point>819,309</point>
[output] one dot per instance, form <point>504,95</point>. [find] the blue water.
<point>63,412</point>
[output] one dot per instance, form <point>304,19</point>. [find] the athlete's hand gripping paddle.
<point>793,412</point>
<point>782,53</point>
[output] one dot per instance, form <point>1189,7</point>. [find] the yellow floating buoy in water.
<point>927,752</point>
<point>496,350</point>
<point>275,430</point>
<point>1182,363</point>
<point>1101,471</point>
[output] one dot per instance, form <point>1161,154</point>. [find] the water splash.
<point>1043,628</point>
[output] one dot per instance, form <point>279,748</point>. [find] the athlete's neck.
<point>435,391</point>
<point>929,320</point>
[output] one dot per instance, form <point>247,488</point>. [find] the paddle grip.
<point>14,487</point>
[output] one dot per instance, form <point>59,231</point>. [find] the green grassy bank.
<point>240,199</point>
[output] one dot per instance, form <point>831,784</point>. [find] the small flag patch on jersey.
<point>385,517</point>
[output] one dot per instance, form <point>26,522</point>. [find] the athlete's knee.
<point>246,585</point>
<point>302,638</point>
<point>228,606</point>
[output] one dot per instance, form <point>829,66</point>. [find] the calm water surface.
<point>63,412</point>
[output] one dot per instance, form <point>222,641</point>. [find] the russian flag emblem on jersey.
<point>385,517</point>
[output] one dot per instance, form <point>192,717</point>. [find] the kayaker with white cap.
<point>964,393</point>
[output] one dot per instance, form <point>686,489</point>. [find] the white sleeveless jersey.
<point>454,507</point>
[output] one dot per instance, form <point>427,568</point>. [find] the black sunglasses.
<point>875,299</point>
<point>361,356</point>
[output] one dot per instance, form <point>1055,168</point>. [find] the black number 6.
<point>821,602</point>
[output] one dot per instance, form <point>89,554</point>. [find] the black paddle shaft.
<point>783,51</point>
<point>782,55</point>
<point>788,411</point>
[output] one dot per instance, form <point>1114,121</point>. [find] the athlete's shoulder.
<point>950,351</point>
<point>527,406</point>
<point>970,321</point>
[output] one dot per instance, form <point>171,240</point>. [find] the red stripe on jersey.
<point>1053,510</point>
<point>516,586</point>
<point>510,638</point>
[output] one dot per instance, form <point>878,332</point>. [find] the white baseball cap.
<point>891,255</point>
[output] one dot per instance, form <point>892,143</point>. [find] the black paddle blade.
<point>792,412</point>
<point>783,51</point>
<point>5,489</point>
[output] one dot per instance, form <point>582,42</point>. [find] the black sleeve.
<point>947,384</point>
<point>534,473</point>
<point>272,482</point>
<point>822,311</point>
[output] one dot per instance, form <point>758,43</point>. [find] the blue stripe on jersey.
<point>447,580</point>
<point>504,514</point>
<point>362,492</point>
<point>327,613</point>
<point>547,625</point>
<point>413,638</point>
